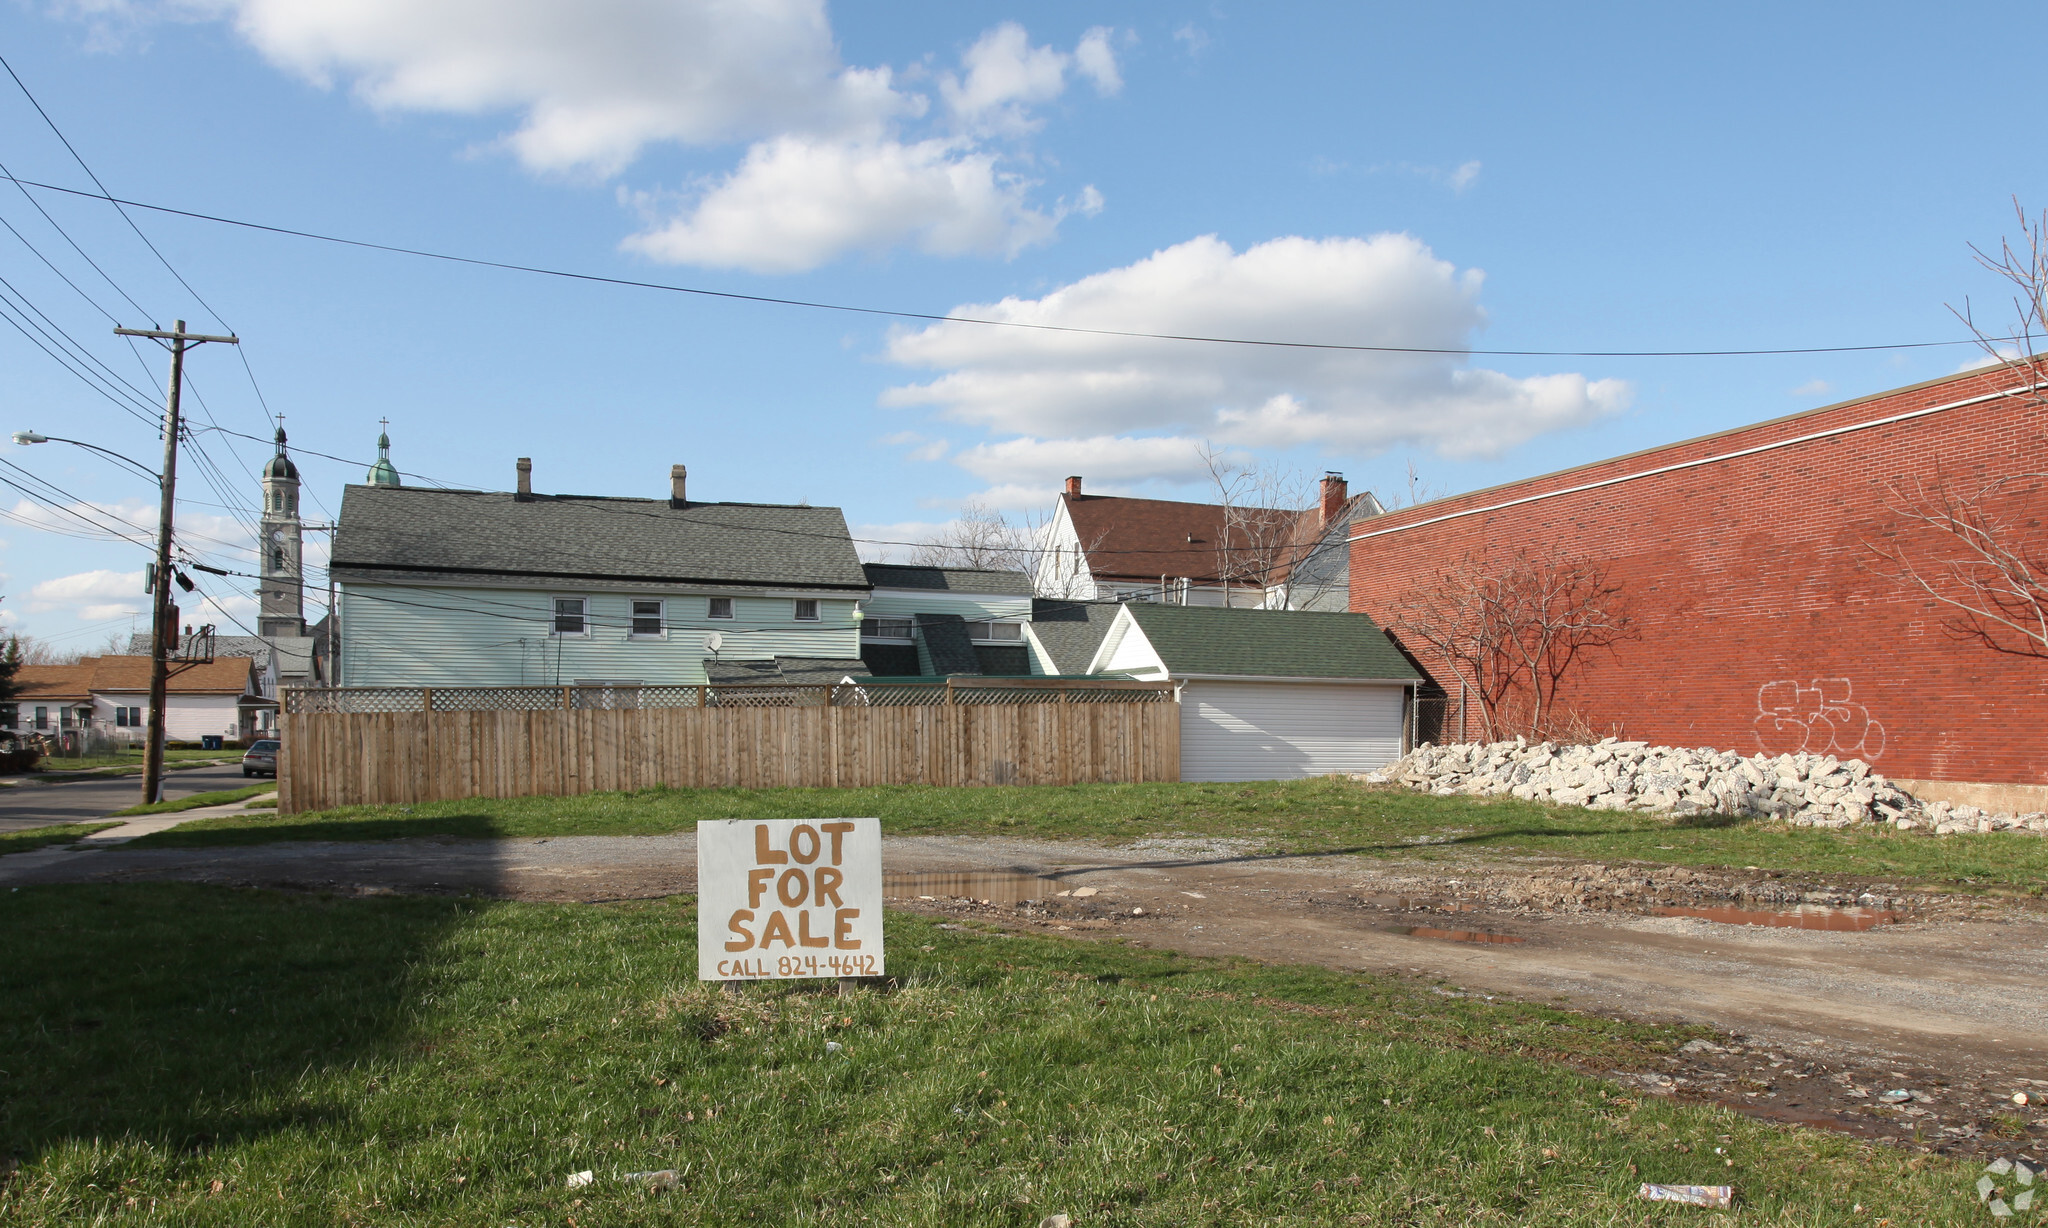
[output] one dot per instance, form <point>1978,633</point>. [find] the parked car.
<point>260,758</point>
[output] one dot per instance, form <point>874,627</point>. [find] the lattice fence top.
<point>957,691</point>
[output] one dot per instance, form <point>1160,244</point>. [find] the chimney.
<point>1074,486</point>
<point>677,475</point>
<point>1336,493</point>
<point>525,478</point>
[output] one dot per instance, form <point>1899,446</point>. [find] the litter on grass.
<point>578,1180</point>
<point>660,1179</point>
<point>1718,1196</point>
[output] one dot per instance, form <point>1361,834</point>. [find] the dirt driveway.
<point>1945,998</point>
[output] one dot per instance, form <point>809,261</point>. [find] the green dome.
<point>383,473</point>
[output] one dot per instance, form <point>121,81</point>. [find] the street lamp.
<point>28,437</point>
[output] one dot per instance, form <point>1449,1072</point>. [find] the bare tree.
<point>35,651</point>
<point>981,537</point>
<point>1274,538</point>
<point>1975,545</point>
<point>1512,631</point>
<point>1978,551</point>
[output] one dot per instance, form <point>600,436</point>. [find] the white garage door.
<point>1281,730</point>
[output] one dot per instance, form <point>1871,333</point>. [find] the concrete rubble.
<point>1802,790</point>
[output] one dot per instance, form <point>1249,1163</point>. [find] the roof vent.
<point>525,468</point>
<point>677,475</point>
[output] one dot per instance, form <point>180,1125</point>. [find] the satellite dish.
<point>714,642</point>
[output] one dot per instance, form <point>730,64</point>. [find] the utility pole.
<point>161,627</point>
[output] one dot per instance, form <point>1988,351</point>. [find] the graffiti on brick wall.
<point>1820,717</point>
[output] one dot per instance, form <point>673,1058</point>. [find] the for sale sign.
<point>786,898</point>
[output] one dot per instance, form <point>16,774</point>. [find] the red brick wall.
<point>1754,590</point>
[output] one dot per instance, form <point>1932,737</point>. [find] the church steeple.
<point>281,600</point>
<point>383,473</point>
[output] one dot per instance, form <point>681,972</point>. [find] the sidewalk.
<point>14,865</point>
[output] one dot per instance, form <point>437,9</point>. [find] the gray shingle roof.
<point>397,532</point>
<point>947,642</point>
<point>1071,631</point>
<point>816,671</point>
<point>949,579</point>
<point>1270,643</point>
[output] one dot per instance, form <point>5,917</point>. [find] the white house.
<point>109,697</point>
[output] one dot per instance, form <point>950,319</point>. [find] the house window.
<point>648,622</point>
<point>721,607</point>
<point>42,718</point>
<point>10,715</point>
<point>807,609</point>
<point>999,632</point>
<point>569,616</point>
<point>128,718</point>
<point>885,629</point>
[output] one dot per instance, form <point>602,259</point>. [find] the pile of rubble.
<point>1803,790</point>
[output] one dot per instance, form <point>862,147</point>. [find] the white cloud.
<point>1096,60</point>
<point>1040,464</point>
<point>1813,388</point>
<point>1129,409</point>
<point>84,587</point>
<point>594,82</point>
<point>1193,38</point>
<point>1464,177</point>
<point>115,609</point>
<point>829,168</point>
<point>1977,362</point>
<point>795,203</point>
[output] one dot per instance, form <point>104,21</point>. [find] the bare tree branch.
<point>1518,627</point>
<point>981,537</point>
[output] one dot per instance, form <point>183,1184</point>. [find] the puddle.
<point>1424,931</point>
<point>991,887</point>
<point>1847,920</point>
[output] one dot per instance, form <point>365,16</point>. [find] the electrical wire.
<point>948,318</point>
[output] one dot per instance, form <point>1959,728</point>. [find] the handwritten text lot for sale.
<point>789,898</point>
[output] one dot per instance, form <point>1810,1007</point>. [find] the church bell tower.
<point>281,606</point>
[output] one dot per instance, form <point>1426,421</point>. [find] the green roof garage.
<point>1268,694</point>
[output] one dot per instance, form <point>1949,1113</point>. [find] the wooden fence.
<point>404,745</point>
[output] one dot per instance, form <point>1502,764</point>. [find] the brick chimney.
<point>1336,493</point>
<point>1074,486</point>
<point>525,467</point>
<point>677,475</point>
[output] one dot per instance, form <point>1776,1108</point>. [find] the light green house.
<point>489,588</point>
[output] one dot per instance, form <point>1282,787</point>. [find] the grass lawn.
<point>37,837</point>
<point>1292,816</point>
<point>219,797</point>
<point>246,1058</point>
<point>133,758</point>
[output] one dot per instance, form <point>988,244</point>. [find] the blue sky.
<point>1501,177</point>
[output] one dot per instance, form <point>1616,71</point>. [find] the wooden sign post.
<point>782,899</point>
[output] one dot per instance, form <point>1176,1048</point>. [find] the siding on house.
<point>406,635</point>
<point>974,607</point>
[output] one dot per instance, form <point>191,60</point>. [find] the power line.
<point>1133,334</point>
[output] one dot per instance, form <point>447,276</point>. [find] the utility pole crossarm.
<point>177,334</point>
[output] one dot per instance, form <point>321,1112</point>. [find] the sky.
<point>1575,179</point>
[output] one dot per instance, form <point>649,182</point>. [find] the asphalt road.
<point>87,800</point>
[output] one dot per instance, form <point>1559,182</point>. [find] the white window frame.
<point>711,608</point>
<point>797,605</point>
<point>983,632</point>
<point>555,617</point>
<point>633,617</point>
<point>870,630</point>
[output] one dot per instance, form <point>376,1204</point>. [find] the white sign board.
<point>785,898</point>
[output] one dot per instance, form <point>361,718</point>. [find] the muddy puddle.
<point>987,887</point>
<point>1424,931</point>
<point>1839,920</point>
